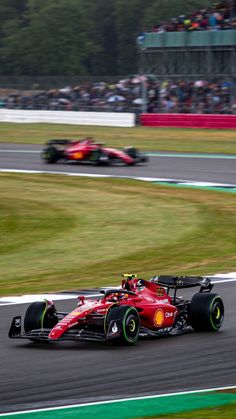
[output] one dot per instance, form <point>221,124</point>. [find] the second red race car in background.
<point>88,151</point>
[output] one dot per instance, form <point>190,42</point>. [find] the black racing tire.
<point>143,158</point>
<point>131,151</point>
<point>39,315</point>
<point>97,157</point>
<point>50,154</point>
<point>206,312</point>
<point>130,323</point>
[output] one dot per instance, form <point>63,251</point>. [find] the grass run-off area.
<point>64,233</point>
<point>220,412</point>
<point>146,138</point>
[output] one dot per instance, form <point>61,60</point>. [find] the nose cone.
<point>57,331</point>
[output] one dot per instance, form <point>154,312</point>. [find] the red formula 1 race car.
<point>139,308</point>
<point>89,151</point>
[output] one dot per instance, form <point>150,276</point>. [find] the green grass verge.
<point>163,139</point>
<point>219,412</point>
<point>61,233</point>
<point>172,407</point>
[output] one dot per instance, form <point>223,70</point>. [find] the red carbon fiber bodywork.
<point>150,300</point>
<point>81,150</point>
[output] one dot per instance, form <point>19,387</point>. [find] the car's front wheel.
<point>97,157</point>
<point>127,319</point>
<point>39,315</point>
<point>206,312</point>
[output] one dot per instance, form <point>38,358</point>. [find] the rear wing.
<point>176,282</point>
<point>59,142</point>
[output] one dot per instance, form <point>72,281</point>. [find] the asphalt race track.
<point>40,375</point>
<point>218,170</point>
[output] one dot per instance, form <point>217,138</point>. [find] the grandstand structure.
<point>189,55</point>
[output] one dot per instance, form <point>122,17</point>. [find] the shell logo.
<point>78,155</point>
<point>159,317</point>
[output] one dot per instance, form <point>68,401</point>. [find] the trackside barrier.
<point>188,120</point>
<point>112,119</point>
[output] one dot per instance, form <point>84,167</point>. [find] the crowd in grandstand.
<point>119,96</point>
<point>143,93</point>
<point>200,97</point>
<point>220,16</point>
<point>133,94</point>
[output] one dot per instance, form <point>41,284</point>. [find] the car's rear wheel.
<point>50,154</point>
<point>129,321</point>
<point>39,315</point>
<point>206,312</point>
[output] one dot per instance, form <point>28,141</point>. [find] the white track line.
<point>143,178</point>
<point>182,393</point>
<point>21,151</point>
<point>223,281</point>
<point>23,299</point>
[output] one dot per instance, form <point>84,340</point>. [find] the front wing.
<point>76,334</point>
<point>83,334</point>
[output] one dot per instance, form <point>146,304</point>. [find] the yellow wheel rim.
<point>218,313</point>
<point>132,325</point>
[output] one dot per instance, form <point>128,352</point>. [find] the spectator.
<point>126,95</point>
<point>220,16</point>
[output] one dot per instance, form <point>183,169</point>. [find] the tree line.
<point>79,37</point>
